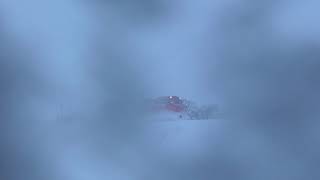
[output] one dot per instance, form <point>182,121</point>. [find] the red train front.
<point>168,103</point>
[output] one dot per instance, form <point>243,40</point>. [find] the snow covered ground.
<point>183,138</point>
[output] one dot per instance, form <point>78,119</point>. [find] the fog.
<point>75,76</point>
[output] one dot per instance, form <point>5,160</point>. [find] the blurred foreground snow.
<point>73,75</point>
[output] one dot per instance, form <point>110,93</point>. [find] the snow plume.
<point>70,100</point>
<point>75,73</point>
<point>267,73</point>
